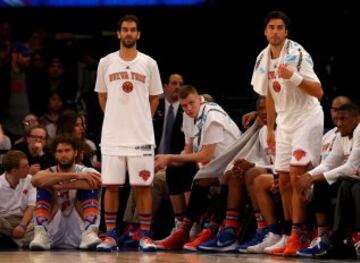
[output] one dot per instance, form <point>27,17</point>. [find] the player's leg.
<point>113,177</point>
<point>42,216</point>
<point>141,174</point>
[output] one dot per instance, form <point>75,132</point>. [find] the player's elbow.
<point>319,91</point>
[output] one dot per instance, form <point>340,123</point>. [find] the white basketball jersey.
<point>127,122</point>
<point>290,101</point>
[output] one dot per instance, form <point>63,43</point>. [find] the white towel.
<point>210,113</point>
<point>291,52</point>
<point>247,147</point>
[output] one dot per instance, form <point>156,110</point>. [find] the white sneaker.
<point>146,244</point>
<point>281,243</point>
<point>269,240</point>
<point>357,248</point>
<point>107,245</point>
<point>89,239</point>
<point>41,239</point>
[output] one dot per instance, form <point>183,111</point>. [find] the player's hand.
<point>93,179</point>
<point>237,170</point>
<point>18,231</point>
<point>247,118</point>
<point>304,183</point>
<point>243,164</point>
<point>161,161</point>
<point>285,71</point>
<point>271,139</point>
<point>34,168</point>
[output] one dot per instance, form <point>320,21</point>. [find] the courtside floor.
<point>65,256</point>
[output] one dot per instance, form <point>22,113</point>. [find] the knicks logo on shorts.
<point>276,86</point>
<point>127,86</point>
<point>299,154</point>
<point>144,174</point>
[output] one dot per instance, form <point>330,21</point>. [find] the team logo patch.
<point>127,86</point>
<point>299,154</point>
<point>276,86</point>
<point>144,174</point>
<point>325,147</point>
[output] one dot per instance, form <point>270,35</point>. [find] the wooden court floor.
<point>65,256</point>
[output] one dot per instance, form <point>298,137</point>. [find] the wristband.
<point>23,226</point>
<point>296,79</point>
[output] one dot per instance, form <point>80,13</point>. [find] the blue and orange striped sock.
<point>145,221</point>
<point>43,207</point>
<point>260,221</point>
<point>110,220</point>
<point>232,219</point>
<point>89,206</point>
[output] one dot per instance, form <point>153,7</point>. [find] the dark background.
<point>215,45</point>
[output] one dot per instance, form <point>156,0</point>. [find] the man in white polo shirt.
<point>17,199</point>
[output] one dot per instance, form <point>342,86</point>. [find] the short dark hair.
<point>186,90</point>
<point>277,15</point>
<point>66,139</point>
<point>12,160</point>
<point>351,108</point>
<point>129,18</point>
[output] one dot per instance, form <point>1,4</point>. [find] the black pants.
<point>199,202</point>
<point>347,211</point>
<point>179,178</point>
<point>323,194</point>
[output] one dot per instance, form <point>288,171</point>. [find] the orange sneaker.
<point>205,235</point>
<point>175,241</point>
<point>294,244</point>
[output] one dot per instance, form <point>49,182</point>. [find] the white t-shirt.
<point>291,103</point>
<point>343,160</point>
<point>212,126</point>
<point>328,143</point>
<point>15,201</point>
<point>127,126</point>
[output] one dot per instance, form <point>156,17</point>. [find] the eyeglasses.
<point>37,137</point>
